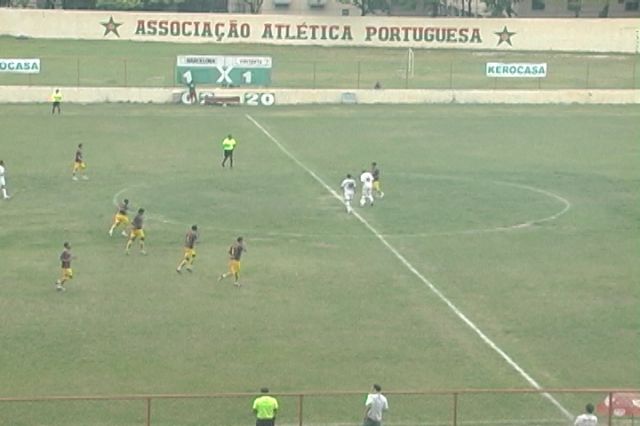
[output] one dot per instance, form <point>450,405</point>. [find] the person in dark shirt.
<point>137,232</point>
<point>235,253</point>
<point>189,249</point>
<point>121,217</point>
<point>66,271</point>
<point>79,165</point>
<point>375,172</point>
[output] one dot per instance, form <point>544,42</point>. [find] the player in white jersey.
<point>374,407</point>
<point>367,188</point>
<point>588,418</point>
<point>348,186</point>
<point>3,183</point>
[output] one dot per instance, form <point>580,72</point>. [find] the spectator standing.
<point>588,418</point>
<point>265,407</point>
<point>187,77</point>
<point>375,405</point>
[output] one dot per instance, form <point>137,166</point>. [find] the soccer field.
<point>523,218</point>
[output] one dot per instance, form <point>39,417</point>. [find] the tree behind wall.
<point>255,6</point>
<point>367,7</point>
<point>501,7</point>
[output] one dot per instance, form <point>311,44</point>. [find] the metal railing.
<point>442,407</point>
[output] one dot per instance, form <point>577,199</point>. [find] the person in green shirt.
<point>228,145</point>
<point>56,97</point>
<point>265,407</point>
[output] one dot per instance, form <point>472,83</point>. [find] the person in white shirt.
<point>3,183</point>
<point>348,186</point>
<point>367,188</point>
<point>375,405</point>
<point>588,418</point>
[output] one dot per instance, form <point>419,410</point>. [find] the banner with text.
<point>20,66</point>
<point>522,70</point>
<point>569,35</point>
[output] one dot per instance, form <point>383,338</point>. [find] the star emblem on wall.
<point>504,36</point>
<point>111,26</point>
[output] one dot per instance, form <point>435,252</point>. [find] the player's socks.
<point>4,193</point>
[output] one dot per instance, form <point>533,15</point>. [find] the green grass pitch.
<point>525,217</point>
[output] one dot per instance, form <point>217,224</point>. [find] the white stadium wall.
<point>34,94</point>
<point>570,35</point>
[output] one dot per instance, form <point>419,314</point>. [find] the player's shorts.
<point>120,219</point>
<point>189,253</point>
<point>79,165</point>
<point>348,195</point>
<point>66,274</point>
<point>376,185</point>
<point>135,233</point>
<point>2,182</point>
<point>228,153</point>
<point>366,191</point>
<point>234,266</point>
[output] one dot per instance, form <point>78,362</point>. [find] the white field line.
<point>421,277</point>
<point>155,216</point>
<point>522,225</point>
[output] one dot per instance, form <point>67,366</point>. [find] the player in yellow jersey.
<point>189,249</point>
<point>137,231</point>
<point>66,271</point>
<point>120,217</point>
<point>79,165</point>
<point>235,253</point>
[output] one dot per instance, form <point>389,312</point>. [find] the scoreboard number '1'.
<point>259,99</point>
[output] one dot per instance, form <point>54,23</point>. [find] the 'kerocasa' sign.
<point>20,66</point>
<point>497,69</point>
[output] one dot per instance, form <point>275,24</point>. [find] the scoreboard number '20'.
<point>259,99</point>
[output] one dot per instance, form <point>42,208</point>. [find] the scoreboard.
<point>224,70</point>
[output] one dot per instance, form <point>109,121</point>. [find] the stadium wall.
<point>567,35</point>
<point>30,94</point>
